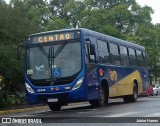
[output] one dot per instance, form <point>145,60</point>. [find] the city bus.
<point>75,65</point>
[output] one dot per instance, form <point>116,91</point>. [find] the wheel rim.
<point>135,94</point>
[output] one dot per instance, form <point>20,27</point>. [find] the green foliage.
<point>10,68</point>
<point>56,23</point>
<point>8,100</point>
<point>14,29</point>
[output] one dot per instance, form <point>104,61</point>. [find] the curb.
<point>33,108</point>
<point>22,110</point>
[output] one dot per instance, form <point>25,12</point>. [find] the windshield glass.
<point>45,62</point>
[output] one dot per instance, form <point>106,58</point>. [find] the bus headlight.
<point>29,89</point>
<point>78,84</point>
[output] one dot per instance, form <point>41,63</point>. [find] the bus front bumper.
<point>57,97</point>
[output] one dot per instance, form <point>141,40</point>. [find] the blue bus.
<point>71,65</point>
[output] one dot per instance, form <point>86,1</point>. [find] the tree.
<point>14,29</point>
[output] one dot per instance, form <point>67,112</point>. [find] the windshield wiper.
<point>57,52</point>
<point>43,51</point>
<point>48,55</point>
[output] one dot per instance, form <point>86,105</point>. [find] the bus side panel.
<point>139,74</point>
<point>133,74</point>
<point>124,84</point>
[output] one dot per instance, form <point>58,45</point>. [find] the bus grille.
<point>52,82</point>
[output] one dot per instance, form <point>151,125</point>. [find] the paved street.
<point>145,108</point>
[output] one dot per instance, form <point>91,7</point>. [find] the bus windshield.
<point>54,61</point>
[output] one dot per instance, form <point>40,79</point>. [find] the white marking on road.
<point>122,114</point>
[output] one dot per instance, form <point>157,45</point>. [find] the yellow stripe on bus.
<point>125,86</point>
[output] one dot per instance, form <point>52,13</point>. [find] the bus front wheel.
<point>54,107</point>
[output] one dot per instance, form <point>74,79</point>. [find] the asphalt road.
<point>145,112</point>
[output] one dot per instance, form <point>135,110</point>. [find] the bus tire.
<point>135,93</point>
<point>102,99</point>
<point>54,107</point>
<point>133,97</point>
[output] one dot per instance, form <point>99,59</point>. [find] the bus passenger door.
<point>91,71</point>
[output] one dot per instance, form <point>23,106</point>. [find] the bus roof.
<point>99,35</point>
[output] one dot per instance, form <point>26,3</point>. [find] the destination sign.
<point>55,37</point>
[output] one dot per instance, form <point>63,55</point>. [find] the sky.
<point>152,3</point>
<point>155,4</point>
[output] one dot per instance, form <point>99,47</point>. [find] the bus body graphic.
<point>82,65</point>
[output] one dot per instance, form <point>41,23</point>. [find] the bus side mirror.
<point>92,49</point>
<point>91,46</point>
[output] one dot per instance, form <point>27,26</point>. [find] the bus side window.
<point>89,58</point>
<point>124,56</point>
<point>132,57</point>
<point>114,53</point>
<point>103,52</point>
<point>144,58</point>
<point>139,58</point>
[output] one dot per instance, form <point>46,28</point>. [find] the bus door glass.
<point>90,55</point>
<point>91,70</point>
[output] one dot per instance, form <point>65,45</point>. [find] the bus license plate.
<point>52,99</point>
